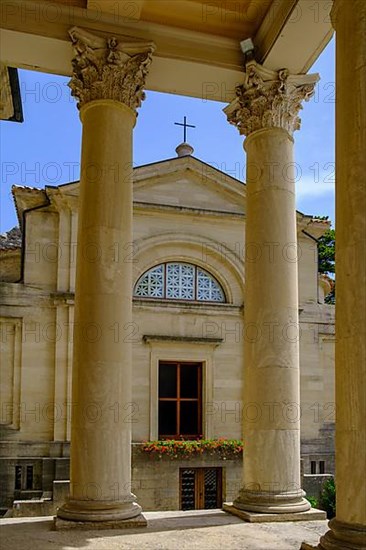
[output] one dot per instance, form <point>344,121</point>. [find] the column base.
<point>341,536</point>
<point>262,517</point>
<point>272,503</point>
<point>67,525</point>
<point>91,514</point>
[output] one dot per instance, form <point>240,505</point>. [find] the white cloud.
<point>307,187</point>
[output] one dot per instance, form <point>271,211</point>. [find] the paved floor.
<point>203,530</point>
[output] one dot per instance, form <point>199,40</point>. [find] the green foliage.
<point>326,252</point>
<point>313,501</point>
<point>223,448</point>
<point>326,259</point>
<point>327,498</point>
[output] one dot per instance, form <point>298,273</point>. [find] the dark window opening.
<point>180,400</point>
<point>313,467</point>
<point>18,477</point>
<point>29,478</point>
<point>321,467</point>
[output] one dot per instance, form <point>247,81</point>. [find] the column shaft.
<point>348,529</point>
<point>265,110</point>
<point>100,439</point>
<point>108,80</point>
<point>271,474</point>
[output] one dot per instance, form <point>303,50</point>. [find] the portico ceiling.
<point>231,19</point>
<point>197,41</point>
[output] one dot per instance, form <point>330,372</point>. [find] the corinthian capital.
<point>269,99</point>
<point>104,68</point>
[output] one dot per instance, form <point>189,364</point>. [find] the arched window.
<point>179,281</point>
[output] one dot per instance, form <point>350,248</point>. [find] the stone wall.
<point>37,320</point>
<point>10,255</point>
<point>10,265</point>
<point>319,449</point>
<point>313,484</point>
<point>155,481</point>
<point>49,461</point>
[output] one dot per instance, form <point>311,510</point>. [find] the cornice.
<point>162,338</point>
<point>152,207</point>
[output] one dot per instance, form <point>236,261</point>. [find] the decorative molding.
<point>63,298</point>
<point>104,68</point>
<point>177,209</point>
<point>180,307</point>
<point>190,339</point>
<point>269,99</point>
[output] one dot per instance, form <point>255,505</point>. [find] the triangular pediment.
<point>173,188</point>
<point>179,183</point>
<point>188,183</point>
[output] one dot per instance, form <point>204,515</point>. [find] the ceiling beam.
<point>293,34</point>
<point>34,35</point>
<point>175,76</point>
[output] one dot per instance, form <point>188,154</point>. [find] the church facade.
<point>188,338</point>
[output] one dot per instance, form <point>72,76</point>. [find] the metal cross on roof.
<point>185,126</point>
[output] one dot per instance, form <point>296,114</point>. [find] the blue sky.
<point>45,148</point>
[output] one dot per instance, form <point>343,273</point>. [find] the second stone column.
<point>265,110</point>
<point>108,81</point>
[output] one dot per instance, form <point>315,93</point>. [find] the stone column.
<point>348,529</point>
<point>108,79</point>
<point>266,111</point>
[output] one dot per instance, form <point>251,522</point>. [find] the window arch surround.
<point>180,281</point>
<point>224,265</point>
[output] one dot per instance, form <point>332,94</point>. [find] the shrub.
<point>313,501</point>
<point>327,498</point>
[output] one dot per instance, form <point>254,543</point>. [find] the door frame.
<point>199,486</point>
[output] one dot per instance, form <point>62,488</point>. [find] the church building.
<point>188,258</point>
